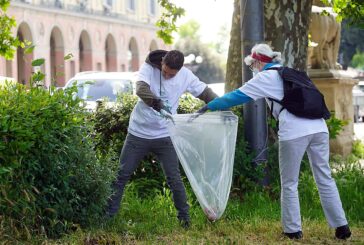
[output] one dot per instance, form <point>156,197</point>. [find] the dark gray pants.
<point>133,152</point>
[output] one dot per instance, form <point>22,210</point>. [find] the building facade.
<point>100,35</point>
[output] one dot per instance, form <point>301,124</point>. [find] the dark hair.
<point>174,59</point>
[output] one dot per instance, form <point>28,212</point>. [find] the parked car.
<point>10,80</point>
<point>358,101</point>
<point>95,86</point>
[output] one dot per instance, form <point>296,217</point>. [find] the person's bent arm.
<point>143,92</point>
<point>207,95</point>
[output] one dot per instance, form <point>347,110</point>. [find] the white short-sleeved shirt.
<point>149,124</point>
<point>269,84</point>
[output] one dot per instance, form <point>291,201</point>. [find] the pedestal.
<point>336,86</point>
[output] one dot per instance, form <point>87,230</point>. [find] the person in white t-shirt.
<point>162,79</point>
<point>296,135</point>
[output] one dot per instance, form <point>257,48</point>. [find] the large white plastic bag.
<point>206,148</point>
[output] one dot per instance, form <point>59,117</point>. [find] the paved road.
<point>359,131</point>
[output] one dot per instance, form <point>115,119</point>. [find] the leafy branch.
<point>167,21</point>
<point>8,43</point>
<point>350,10</point>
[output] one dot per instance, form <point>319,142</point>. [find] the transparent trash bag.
<point>205,147</point>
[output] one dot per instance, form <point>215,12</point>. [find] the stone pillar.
<point>335,84</point>
<point>337,87</point>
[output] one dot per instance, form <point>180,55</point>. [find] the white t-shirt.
<point>149,124</point>
<point>269,84</point>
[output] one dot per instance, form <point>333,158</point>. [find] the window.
<point>152,7</point>
<point>131,5</point>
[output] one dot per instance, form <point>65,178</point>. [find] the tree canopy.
<point>350,10</point>
<point>8,43</point>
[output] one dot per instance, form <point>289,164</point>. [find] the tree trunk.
<point>234,61</point>
<point>286,29</point>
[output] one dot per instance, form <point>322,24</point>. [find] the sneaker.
<point>185,223</point>
<point>295,235</point>
<point>343,232</point>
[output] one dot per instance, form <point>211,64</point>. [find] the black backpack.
<point>301,97</point>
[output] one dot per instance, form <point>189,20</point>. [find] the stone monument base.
<point>336,86</point>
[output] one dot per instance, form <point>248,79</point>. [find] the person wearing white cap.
<point>297,135</point>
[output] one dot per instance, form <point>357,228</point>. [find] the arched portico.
<point>133,55</point>
<point>57,57</point>
<point>85,52</point>
<point>110,53</point>
<point>24,61</point>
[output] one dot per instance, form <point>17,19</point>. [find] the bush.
<point>358,149</point>
<point>50,179</point>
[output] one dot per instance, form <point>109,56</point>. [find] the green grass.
<point>253,218</point>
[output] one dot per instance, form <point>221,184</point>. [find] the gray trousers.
<point>133,152</point>
<point>290,156</point>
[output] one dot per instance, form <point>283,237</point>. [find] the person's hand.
<point>166,109</point>
<point>202,110</point>
<point>198,113</point>
<point>167,115</point>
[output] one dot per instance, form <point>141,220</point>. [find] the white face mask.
<point>255,71</point>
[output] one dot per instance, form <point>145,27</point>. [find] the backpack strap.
<point>271,108</point>
<point>279,70</point>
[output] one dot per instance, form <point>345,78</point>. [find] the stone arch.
<point>24,61</point>
<point>110,53</point>
<point>133,55</point>
<point>85,52</point>
<point>153,45</point>
<point>56,44</point>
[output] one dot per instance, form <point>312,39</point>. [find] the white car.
<point>95,86</point>
<point>358,101</point>
<point>3,80</point>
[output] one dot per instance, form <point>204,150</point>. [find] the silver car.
<point>95,86</point>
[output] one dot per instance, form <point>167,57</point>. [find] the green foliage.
<point>350,43</point>
<point>210,67</point>
<point>257,216</point>
<point>335,125</point>
<point>351,10</point>
<point>246,175</point>
<point>358,149</point>
<point>189,30</point>
<point>8,43</point>
<point>50,179</point>
<point>358,60</point>
<point>167,21</point>
<point>210,70</point>
<point>349,176</point>
<point>189,104</point>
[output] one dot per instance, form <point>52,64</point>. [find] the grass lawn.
<point>254,220</point>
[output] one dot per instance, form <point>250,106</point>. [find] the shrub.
<point>358,149</point>
<point>50,179</point>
